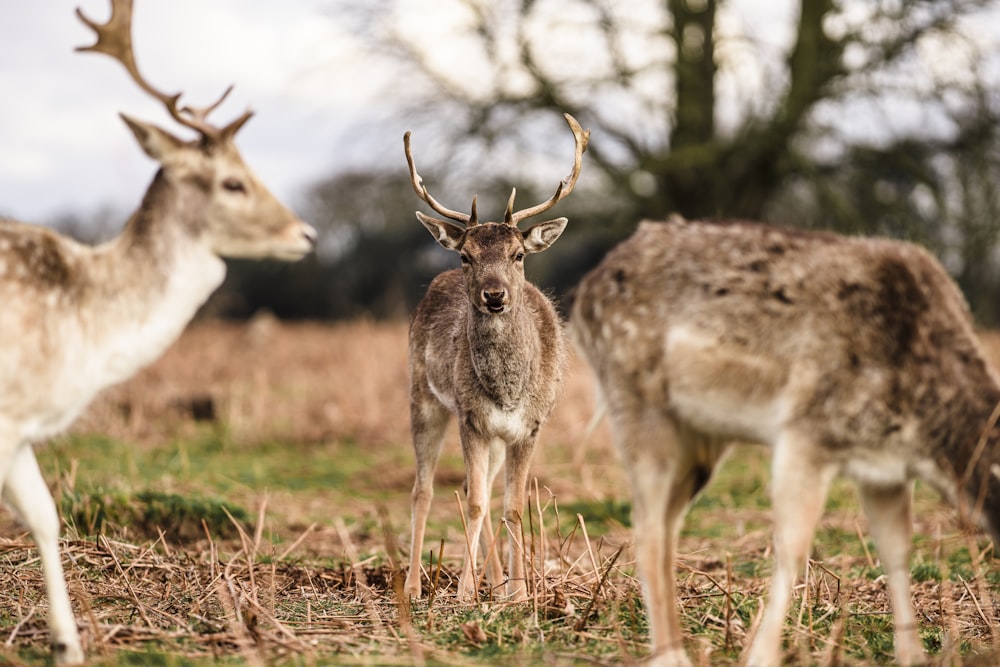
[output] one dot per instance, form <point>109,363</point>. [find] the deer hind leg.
<point>666,471</point>
<point>889,517</point>
<point>25,491</point>
<point>429,420</point>
<point>799,484</point>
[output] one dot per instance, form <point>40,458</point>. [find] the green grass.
<point>211,460</point>
<point>210,470</point>
<point>127,491</point>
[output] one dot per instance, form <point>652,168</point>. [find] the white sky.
<point>63,147</point>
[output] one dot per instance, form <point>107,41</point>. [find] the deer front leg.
<point>476,453</point>
<point>487,542</point>
<point>515,483</point>
<point>25,491</point>
<point>891,524</point>
<point>799,484</point>
<point>428,421</point>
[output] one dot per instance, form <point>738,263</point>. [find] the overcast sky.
<point>63,147</point>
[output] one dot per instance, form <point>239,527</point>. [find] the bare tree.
<point>854,116</point>
<point>688,114</point>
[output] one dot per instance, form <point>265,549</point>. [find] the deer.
<point>79,318</point>
<point>486,346</point>
<point>842,355</point>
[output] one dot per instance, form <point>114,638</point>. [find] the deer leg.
<point>664,478</point>
<point>891,525</point>
<point>476,452</point>
<point>515,484</point>
<point>799,484</point>
<point>25,491</point>
<point>429,420</point>
<point>491,549</point>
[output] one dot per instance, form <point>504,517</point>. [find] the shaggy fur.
<point>851,356</point>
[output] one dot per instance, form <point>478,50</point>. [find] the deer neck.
<point>148,283</point>
<point>504,354</point>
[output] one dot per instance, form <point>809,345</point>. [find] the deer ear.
<point>540,236</point>
<point>447,234</point>
<point>156,143</point>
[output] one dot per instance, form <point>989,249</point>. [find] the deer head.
<point>493,252</point>
<point>235,213</point>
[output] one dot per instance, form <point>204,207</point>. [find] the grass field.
<point>246,501</point>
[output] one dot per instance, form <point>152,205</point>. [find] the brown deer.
<point>850,356</point>
<point>486,346</point>
<point>77,318</point>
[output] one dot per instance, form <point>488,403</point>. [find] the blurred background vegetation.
<point>875,117</point>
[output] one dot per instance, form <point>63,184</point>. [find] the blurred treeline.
<point>864,117</point>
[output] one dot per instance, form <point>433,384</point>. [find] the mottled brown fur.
<point>36,256</point>
<point>851,355</point>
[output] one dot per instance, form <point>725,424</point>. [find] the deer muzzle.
<point>298,239</point>
<point>494,299</point>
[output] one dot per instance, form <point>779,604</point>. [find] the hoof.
<point>64,653</point>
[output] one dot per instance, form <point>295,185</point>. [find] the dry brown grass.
<point>311,576</point>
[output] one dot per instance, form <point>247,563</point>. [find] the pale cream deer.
<point>487,347</point>
<point>77,318</point>
<point>850,356</point>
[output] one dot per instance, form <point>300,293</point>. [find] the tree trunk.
<point>704,175</point>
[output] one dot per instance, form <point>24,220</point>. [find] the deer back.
<point>741,330</point>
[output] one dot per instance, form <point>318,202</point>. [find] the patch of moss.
<point>147,513</point>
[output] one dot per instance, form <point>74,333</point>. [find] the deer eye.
<point>518,256</point>
<point>465,258</point>
<point>234,185</point>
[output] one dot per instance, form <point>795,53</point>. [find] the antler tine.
<point>114,39</point>
<point>200,114</point>
<point>508,213</point>
<point>418,186</point>
<point>581,138</point>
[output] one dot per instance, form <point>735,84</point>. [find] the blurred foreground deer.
<point>488,347</point>
<point>77,319</point>
<point>844,355</point>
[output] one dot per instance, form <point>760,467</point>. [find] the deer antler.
<point>421,190</point>
<point>114,39</point>
<point>581,138</point>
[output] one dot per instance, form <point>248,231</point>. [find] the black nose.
<point>495,298</point>
<point>310,234</point>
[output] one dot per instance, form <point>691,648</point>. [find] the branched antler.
<point>114,39</point>
<point>418,186</point>
<point>581,137</point>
